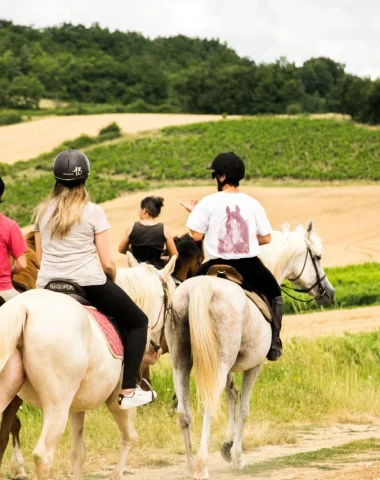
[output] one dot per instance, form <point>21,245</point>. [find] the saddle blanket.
<point>109,332</point>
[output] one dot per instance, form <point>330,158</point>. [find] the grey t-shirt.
<point>74,256</point>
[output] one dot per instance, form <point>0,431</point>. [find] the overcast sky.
<point>348,31</point>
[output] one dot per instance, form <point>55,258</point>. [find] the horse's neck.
<point>277,255</point>
<point>181,273</point>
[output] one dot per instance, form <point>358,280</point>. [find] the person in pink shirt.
<point>12,244</point>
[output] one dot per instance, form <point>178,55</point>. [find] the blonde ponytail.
<point>69,204</point>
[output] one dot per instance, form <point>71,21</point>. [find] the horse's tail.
<point>12,320</point>
<point>204,345</point>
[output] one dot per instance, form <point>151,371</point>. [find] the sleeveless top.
<point>147,243</point>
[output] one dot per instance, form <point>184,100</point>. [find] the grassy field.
<point>355,285</point>
<point>334,379</point>
<point>272,147</point>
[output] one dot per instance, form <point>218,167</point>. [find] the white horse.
<point>61,362</point>
<point>217,331</point>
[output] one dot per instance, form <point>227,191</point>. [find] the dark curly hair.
<point>152,205</point>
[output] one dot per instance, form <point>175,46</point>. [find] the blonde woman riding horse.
<point>64,365</point>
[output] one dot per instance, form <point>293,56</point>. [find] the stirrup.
<point>150,389</point>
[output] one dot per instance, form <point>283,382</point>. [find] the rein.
<point>319,281</point>
<point>167,308</point>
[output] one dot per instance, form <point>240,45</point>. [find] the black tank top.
<point>147,243</point>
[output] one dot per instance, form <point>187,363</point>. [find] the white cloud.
<point>345,30</point>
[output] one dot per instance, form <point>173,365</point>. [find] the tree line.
<point>177,74</point>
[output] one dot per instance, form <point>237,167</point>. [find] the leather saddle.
<point>69,288</point>
<point>104,322</point>
<point>229,273</point>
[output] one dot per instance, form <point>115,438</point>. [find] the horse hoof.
<point>226,451</point>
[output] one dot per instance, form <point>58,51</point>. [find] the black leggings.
<point>131,321</point>
<point>256,276</point>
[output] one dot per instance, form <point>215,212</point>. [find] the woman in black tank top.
<point>148,238</point>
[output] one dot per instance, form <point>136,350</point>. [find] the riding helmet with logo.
<point>71,166</point>
<point>228,164</point>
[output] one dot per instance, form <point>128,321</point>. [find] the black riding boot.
<point>276,346</point>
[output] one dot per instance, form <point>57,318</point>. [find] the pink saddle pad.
<point>109,332</point>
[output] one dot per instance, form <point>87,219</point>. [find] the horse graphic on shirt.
<point>235,236</point>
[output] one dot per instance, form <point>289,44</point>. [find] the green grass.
<point>272,148</point>
<point>316,382</point>
<point>313,458</point>
<point>355,285</point>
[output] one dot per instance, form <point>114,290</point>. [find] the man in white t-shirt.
<point>233,226</point>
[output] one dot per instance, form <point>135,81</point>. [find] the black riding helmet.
<point>71,166</point>
<point>2,188</point>
<point>230,165</point>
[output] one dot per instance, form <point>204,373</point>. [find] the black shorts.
<point>255,274</point>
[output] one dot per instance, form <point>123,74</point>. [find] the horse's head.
<point>190,256</point>
<point>305,269</point>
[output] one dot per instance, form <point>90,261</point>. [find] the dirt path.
<point>27,140</point>
<point>309,440</point>
<point>344,216</point>
<point>336,322</point>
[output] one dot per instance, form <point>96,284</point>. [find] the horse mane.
<point>27,277</point>
<point>135,282</point>
<point>283,239</point>
<point>187,249</point>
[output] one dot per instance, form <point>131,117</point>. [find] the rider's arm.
<point>103,247</point>
<point>17,248</point>
<point>170,245</point>
<point>37,240</point>
<point>264,239</point>
<point>20,264</point>
<point>124,244</point>
<point>196,236</point>
<point>199,218</point>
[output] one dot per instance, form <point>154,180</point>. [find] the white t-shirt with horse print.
<point>230,222</point>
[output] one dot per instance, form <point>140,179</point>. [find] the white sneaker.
<point>137,398</point>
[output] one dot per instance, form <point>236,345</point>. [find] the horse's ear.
<point>169,267</point>
<point>228,210</point>
<point>285,227</point>
<point>131,261</point>
<point>309,228</point>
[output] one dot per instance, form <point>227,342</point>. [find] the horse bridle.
<point>167,307</point>
<point>322,291</point>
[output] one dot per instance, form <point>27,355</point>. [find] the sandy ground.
<point>308,441</point>
<point>344,216</point>
<point>335,322</point>
<point>27,140</point>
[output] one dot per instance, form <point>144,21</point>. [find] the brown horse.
<point>10,424</point>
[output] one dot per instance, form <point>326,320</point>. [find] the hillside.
<point>272,148</point>
<point>177,74</point>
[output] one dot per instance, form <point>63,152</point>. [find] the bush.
<point>294,109</point>
<point>111,128</point>
<point>139,106</point>
<point>9,118</point>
